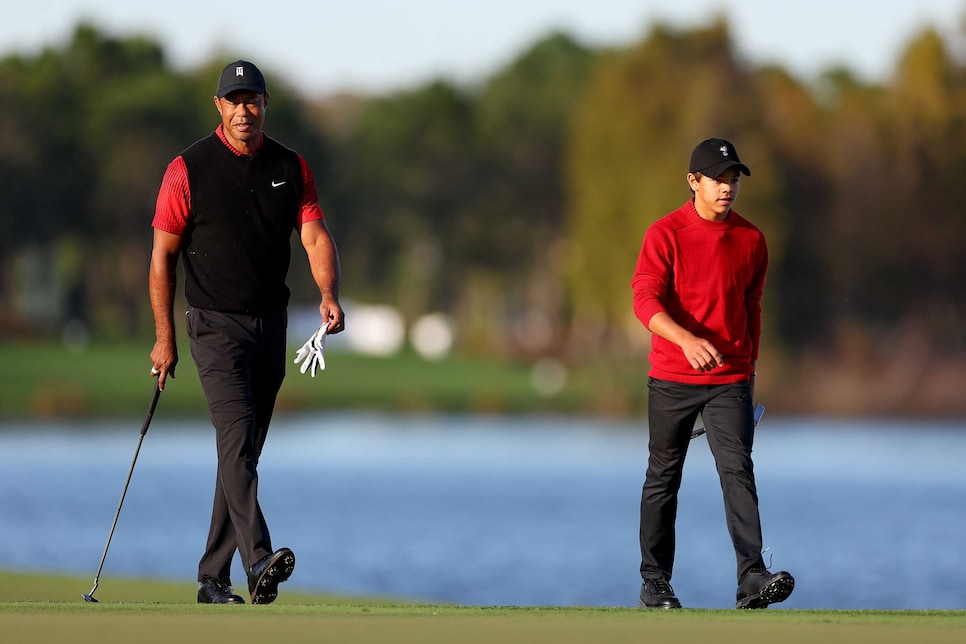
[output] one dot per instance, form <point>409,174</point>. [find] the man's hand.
<point>332,314</point>
<point>164,359</point>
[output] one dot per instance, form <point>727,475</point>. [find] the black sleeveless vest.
<point>243,211</point>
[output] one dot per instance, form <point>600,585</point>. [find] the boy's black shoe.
<point>265,576</point>
<point>758,588</point>
<point>657,593</point>
<point>215,591</point>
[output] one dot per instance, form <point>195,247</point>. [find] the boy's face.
<point>714,196</point>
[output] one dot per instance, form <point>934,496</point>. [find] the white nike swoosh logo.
<point>277,184</point>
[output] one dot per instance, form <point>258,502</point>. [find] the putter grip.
<point>151,408</point>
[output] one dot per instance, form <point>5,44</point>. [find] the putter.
<point>759,410</point>
<point>89,597</point>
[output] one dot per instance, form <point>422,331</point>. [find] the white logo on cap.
<point>724,150</point>
<point>239,71</point>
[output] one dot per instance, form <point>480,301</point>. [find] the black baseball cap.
<point>240,74</point>
<point>712,157</point>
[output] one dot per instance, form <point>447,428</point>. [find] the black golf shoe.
<point>215,591</point>
<point>657,593</point>
<point>265,576</point>
<point>758,588</point>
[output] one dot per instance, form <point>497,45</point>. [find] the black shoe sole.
<point>278,569</point>
<point>206,600</point>
<point>773,593</point>
<point>662,606</point>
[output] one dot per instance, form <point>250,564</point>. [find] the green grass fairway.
<point>39,608</point>
<point>43,380</point>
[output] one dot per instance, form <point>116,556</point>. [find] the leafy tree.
<point>926,106</point>
<point>797,222</point>
<point>44,170</point>
<point>404,170</point>
<point>524,112</point>
<point>524,116</point>
<point>447,188</point>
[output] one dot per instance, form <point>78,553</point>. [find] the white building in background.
<point>433,335</point>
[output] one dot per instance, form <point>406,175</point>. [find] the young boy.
<point>698,288</point>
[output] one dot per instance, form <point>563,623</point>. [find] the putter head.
<point>89,598</point>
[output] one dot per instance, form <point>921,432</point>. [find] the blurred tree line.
<point>518,205</point>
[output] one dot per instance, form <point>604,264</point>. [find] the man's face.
<point>714,196</point>
<point>243,115</point>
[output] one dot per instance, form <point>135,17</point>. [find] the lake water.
<point>501,510</point>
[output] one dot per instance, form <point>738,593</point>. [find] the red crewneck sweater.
<point>709,277</point>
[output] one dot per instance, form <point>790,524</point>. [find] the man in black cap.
<point>697,288</point>
<point>229,205</point>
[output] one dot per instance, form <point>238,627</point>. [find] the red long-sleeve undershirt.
<point>173,207</point>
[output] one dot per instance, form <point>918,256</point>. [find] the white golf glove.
<point>312,352</point>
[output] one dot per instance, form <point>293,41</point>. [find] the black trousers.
<point>727,412</point>
<point>241,364</point>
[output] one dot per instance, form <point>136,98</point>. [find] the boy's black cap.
<point>240,74</point>
<point>712,157</point>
